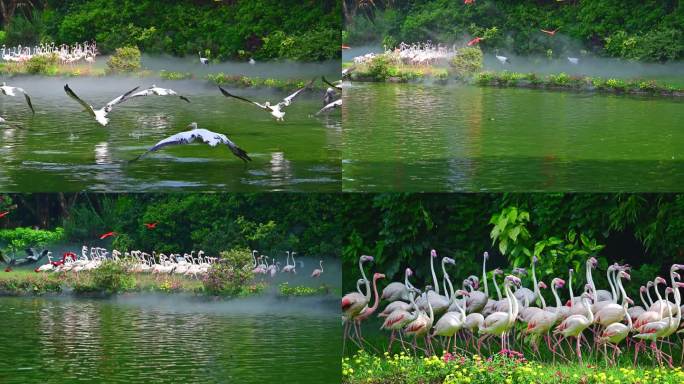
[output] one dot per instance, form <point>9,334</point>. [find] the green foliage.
<point>263,29</point>
<point>44,65</point>
<point>467,62</point>
<point>378,68</point>
<point>126,59</point>
<point>231,274</point>
<point>651,31</point>
<point>284,289</point>
<point>109,278</point>
<point>3,37</point>
<point>510,231</point>
<point>171,75</point>
<point>20,238</point>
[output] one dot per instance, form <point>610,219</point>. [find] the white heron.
<point>203,60</point>
<point>100,115</point>
<point>208,137</point>
<point>12,91</point>
<point>275,110</point>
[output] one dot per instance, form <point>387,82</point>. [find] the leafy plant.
<point>20,238</point>
<point>231,274</point>
<point>510,231</point>
<point>467,62</point>
<point>111,277</point>
<point>126,59</point>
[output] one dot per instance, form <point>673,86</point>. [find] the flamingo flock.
<point>67,54</point>
<point>600,321</point>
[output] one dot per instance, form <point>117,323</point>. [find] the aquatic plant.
<point>284,289</point>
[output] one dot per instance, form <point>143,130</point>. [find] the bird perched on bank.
<point>208,137</point>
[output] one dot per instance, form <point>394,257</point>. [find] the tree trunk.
<point>7,8</point>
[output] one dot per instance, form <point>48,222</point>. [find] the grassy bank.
<point>509,369</point>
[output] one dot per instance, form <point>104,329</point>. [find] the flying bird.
<point>157,91</point>
<point>344,46</point>
<point>275,110</point>
<point>475,41</point>
<point>11,91</point>
<point>208,137</point>
<point>335,104</point>
<point>100,115</point>
<point>331,92</point>
<point>3,214</point>
<point>550,33</point>
<point>106,235</point>
<point>151,225</point>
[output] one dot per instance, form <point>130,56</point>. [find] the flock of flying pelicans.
<point>465,313</point>
<point>331,101</point>
<point>187,264</point>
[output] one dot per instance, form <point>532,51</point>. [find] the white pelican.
<point>573,60</point>
<point>275,110</point>
<point>10,91</point>
<point>503,59</point>
<point>99,114</point>
<point>335,104</point>
<point>203,60</point>
<point>157,91</point>
<point>206,136</point>
<point>331,92</point>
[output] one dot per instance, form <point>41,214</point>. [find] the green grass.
<point>284,289</point>
<point>509,369</point>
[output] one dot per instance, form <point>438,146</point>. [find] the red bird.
<point>108,234</point>
<point>151,225</point>
<point>3,214</point>
<point>8,269</point>
<point>344,46</point>
<point>468,2</point>
<point>475,41</point>
<point>550,33</point>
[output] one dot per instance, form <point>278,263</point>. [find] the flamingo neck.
<point>377,299</point>
<point>590,314</point>
<point>572,295</point>
<point>555,296</point>
<point>641,296</point>
<point>512,313</point>
<point>484,276</point>
<point>363,274</point>
<point>496,285</point>
<point>434,275</point>
<point>648,295</point>
<point>590,280</point>
<point>445,276</point>
<point>534,281</point>
<point>612,287</point>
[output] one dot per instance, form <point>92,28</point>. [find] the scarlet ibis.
<point>344,46</point>
<point>475,41</point>
<point>3,214</point>
<point>151,225</point>
<point>550,33</point>
<point>466,2</point>
<point>106,235</point>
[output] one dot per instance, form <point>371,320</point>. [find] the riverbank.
<point>101,284</point>
<point>506,79</point>
<point>509,369</point>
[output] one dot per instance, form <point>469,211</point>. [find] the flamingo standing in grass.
<point>614,333</point>
<point>396,303</point>
<point>420,326</point>
<point>368,311</point>
<point>500,323</point>
<point>574,325</point>
<point>353,303</point>
<point>654,331</point>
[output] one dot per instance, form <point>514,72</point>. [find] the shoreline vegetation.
<point>466,68</point>
<point>507,367</point>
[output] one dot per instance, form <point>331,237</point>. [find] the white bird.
<point>208,137</point>
<point>573,60</point>
<point>251,61</point>
<point>100,115</point>
<point>275,110</point>
<point>157,91</point>
<point>329,107</point>
<point>11,91</point>
<point>203,60</point>
<point>503,59</point>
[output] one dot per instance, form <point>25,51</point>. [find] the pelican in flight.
<point>208,137</point>
<point>11,91</point>
<point>203,60</point>
<point>157,91</point>
<point>573,60</point>
<point>329,107</point>
<point>275,110</point>
<point>331,92</point>
<point>99,114</point>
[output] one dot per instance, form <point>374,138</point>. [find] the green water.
<point>62,149</point>
<point>169,340</point>
<point>422,137</point>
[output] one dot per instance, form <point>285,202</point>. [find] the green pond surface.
<point>63,149</point>
<point>425,137</point>
<point>169,339</point>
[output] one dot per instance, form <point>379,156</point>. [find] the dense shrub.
<point>111,278</point>
<point>126,59</point>
<point>467,62</point>
<point>231,274</point>
<point>45,64</point>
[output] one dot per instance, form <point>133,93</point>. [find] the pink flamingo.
<point>574,325</point>
<point>499,323</point>
<point>653,331</point>
<point>367,311</point>
<point>317,272</point>
<point>353,303</point>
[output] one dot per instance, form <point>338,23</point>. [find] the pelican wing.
<point>85,105</point>
<point>288,100</point>
<point>119,99</point>
<point>28,99</point>
<point>237,151</point>
<point>177,139</point>
<point>335,104</point>
<point>228,94</point>
<point>338,86</point>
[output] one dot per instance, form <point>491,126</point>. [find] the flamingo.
<point>420,326</point>
<point>353,303</point>
<point>451,322</point>
<point>499,323</point>
<point>368,311</point>
<point>395,295</point>
<point>574,325</point>
<point>655,330</point>
<point>317,272</point>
